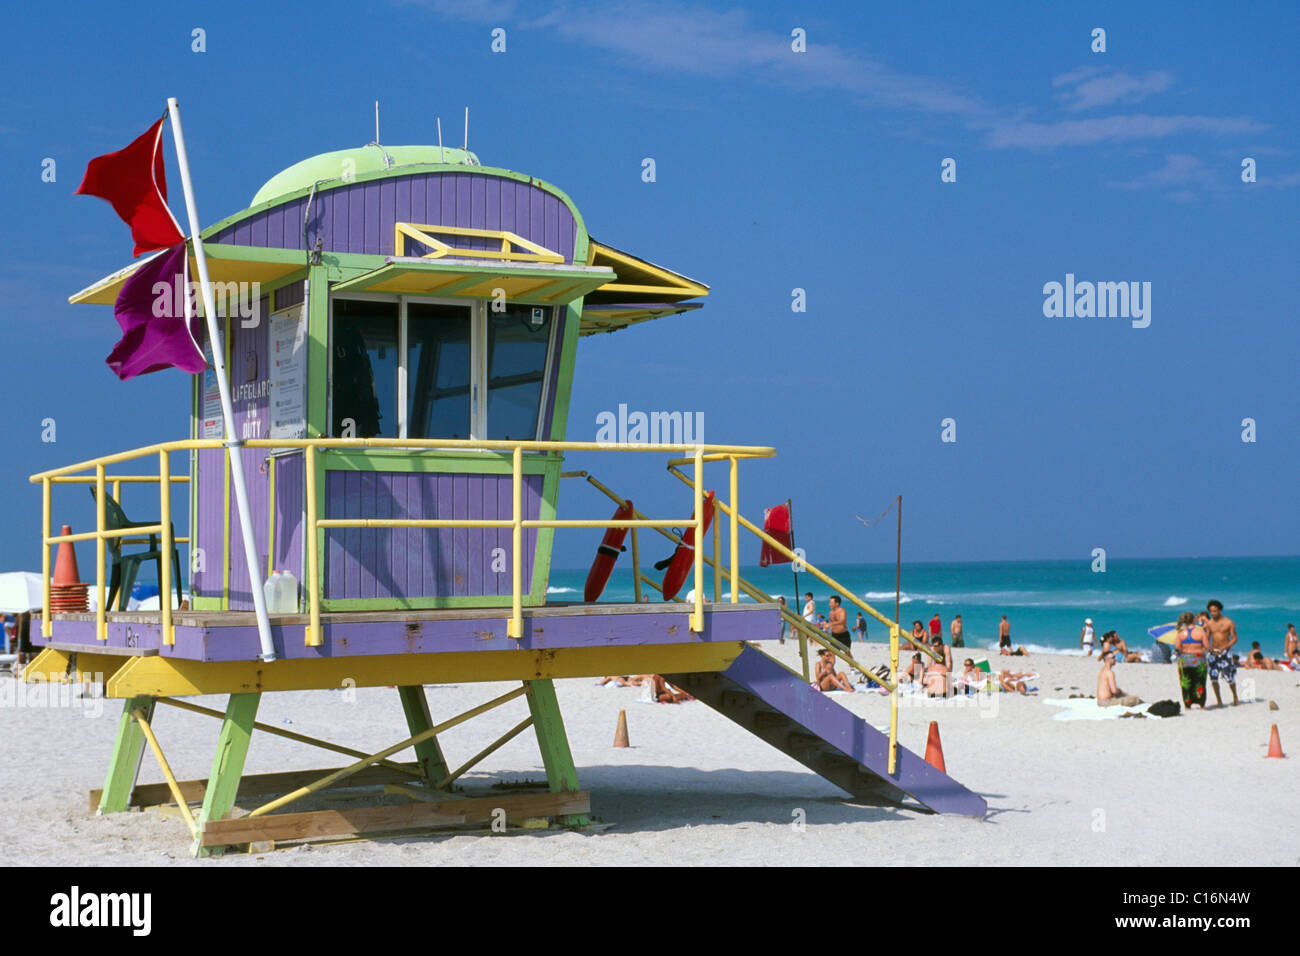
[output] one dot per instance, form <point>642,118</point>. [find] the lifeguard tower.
<point>401,331</point>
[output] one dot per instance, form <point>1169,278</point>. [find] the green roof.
<point>366,159</point>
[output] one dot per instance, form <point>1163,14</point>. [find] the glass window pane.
<point>517,347</point>
<point>364,339</point>
<point>438,370</point>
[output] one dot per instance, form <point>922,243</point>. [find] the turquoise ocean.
<point>1045,601</point>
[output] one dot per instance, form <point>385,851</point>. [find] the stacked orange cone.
<point>934,749</point>
<point>67,593</point>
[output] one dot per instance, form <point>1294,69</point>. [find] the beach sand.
<point>695,789</point>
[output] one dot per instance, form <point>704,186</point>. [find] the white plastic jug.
<point>287,596</point>
<point>281,592</point>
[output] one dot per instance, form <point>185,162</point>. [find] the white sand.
<point>694,788</point>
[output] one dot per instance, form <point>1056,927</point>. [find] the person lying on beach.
<point>1256,660</point>
<point>827,677</point>
<point>1108,692</point>
<point>1008,652</point>
<point>1013,681</point>
<point>666,693</point>
<point>618,682</point>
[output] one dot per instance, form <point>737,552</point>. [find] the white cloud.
<point>1091,87</point>
<point>1113,129</point>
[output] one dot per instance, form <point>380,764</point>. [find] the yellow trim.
<point>420,233</point>
<point>157,676</point>
<point>220,269</point>
<point>665,281</point>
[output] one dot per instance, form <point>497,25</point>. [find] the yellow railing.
<point>313,446</point>
<point>797,623</point>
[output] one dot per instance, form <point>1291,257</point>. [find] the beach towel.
<point>1087,708</point>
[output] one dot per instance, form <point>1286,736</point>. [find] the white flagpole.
<point>233,443</point>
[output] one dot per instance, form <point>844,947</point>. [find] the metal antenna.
<point>441,156</point>
<point>376,122</point>
<point>467,129</point>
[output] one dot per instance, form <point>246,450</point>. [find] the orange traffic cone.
<point>1274,745</point>
<point>65,562</point>
<point>620,735</point>
<point>934,749</point>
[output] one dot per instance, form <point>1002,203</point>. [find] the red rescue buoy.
<point>683,559</point>
<point>611,546</point>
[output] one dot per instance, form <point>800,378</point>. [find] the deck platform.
<point>228,636</point>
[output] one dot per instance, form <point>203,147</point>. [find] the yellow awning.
<point>640,280</point>
<point>476,279</point>
<point>225,264</point>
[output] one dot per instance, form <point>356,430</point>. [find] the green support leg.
<point>428,752</point>
<point>553,743</point>
<point>228,763</point>
<point>124,765</point>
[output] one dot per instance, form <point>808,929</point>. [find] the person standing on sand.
<point>957,639</point>
<point>861,627</point>
<point>1108,692</point>
<point>1223,635</point>
<point>839,625</point>
<point>780,600</point>
<point>1192,644</point>
<point>936,626</point>
<point>1004,634</point>
<point>809,608</point>
<point>1290,642</point>
<point>1086,637</point>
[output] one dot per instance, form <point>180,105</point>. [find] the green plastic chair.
<point>127,565</point>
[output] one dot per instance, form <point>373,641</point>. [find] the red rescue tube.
<point>611,546</point>
<point>683,559</point>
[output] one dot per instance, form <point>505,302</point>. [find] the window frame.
<point>478,310</point>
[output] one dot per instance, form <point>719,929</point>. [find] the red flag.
<point>776,522</point>
<point>134,181</point>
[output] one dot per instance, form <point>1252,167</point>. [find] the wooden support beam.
<point>428,752</point>
<point>124,764</point>
<point>160,676</point>
<point>255,785</point>
<point>320,824</point>
<point>228,762</point>
<point>553,742</point>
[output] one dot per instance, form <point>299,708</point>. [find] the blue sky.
<point>775,171</point>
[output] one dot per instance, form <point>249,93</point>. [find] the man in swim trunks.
<point>1223,635</point>
<point>1108,692</point>
<point>936,626</point>
<point>840,624</point>
<point>1086,637</point>
<point>957,639</point>
<point>1004,634</point>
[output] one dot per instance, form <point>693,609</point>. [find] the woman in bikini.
<point>1191,643</point>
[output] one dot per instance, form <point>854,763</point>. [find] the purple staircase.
<point>776,704</point>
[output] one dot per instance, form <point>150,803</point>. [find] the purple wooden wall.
<point>417,562</point>
<point>359,218</point>
<point>289,500</point>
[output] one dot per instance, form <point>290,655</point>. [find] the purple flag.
<point>160,326</point>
